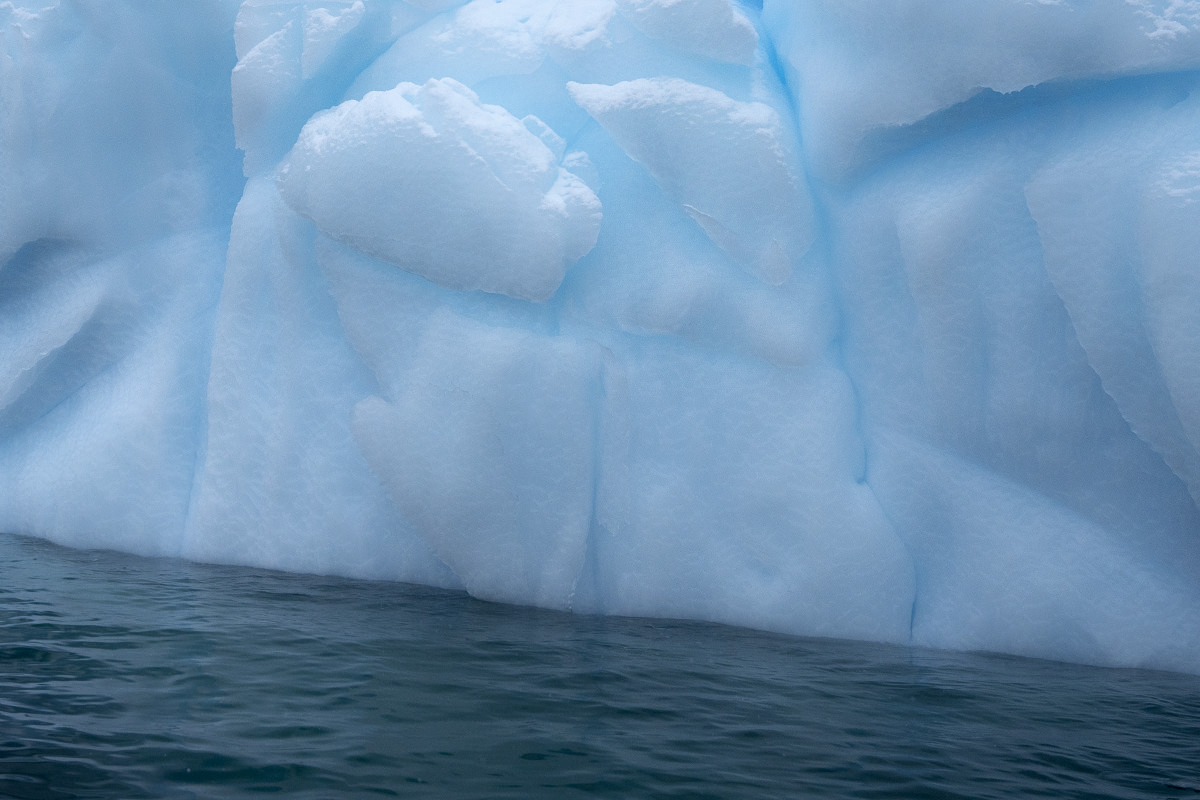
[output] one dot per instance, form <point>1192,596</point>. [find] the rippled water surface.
<point>125,677</point>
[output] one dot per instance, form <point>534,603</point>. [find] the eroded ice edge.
<point>862,318</point>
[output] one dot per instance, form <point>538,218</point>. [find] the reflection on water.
<point>130,677</point>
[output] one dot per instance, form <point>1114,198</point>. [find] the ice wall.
<point>836,317</point>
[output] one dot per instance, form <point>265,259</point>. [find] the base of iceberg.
<point>874,320</point>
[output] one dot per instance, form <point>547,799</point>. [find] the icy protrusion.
<point>748,199</point>
<point>100,407</point>
<point>489,453</point>
<point>35,328</point>
<point>1002,567</point>
<point>322,32</point>
<point>732,521</point>
<point>296,58</point>
<point>554,143</point>
<point>580,25</point>
<point>995,335</point>
<point>861,69</point>
<point>277,446</point>
<point>443,186</point>
<point>79,158</point>
<point>1118,221</point>
<point>265,82</point>
<point>711,28</point>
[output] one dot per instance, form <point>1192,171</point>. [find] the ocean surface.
<point>126,677</point>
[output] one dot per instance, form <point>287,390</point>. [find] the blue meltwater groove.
<point>129,677</point>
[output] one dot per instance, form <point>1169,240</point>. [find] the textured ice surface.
<point>866,319</point>
<point>463,194</point>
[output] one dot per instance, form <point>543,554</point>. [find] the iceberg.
<point>872,319</point>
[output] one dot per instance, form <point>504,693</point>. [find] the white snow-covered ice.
<point>875,319</point>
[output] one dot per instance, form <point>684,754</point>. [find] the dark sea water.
<point>123,677</point>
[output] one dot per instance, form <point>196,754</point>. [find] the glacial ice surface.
<point>857,318</point>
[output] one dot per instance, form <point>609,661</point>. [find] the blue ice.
<point>875,319</point>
